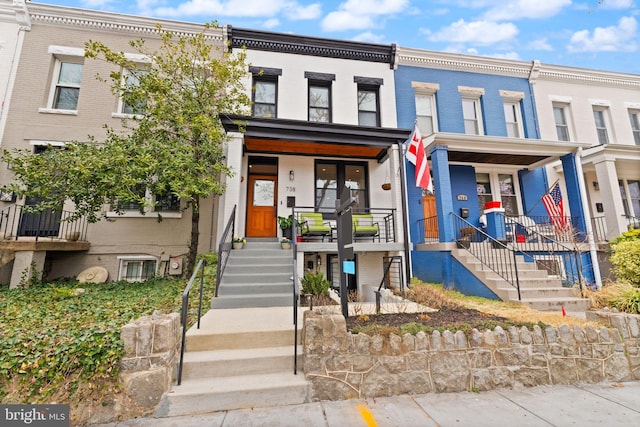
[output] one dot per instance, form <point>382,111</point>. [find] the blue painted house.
<point>485,223</point>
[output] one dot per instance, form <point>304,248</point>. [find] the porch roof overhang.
<point>524,152</point>
<point>298,137</point>
<point>624,155</point>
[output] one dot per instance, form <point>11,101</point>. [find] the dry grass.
<point>435,296</point>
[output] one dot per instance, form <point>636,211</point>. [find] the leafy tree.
<point>173,145</point>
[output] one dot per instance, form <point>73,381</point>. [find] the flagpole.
<point>405,208</point>
<point>540,199</point>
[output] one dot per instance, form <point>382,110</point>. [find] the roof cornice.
<point>586,76</point>
<point>461,62</point>
<point>113,22</point>
<point>306,45</point>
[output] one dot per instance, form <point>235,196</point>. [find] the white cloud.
<point>96,4</point>
<point>507,55</point>
<point>540,44</point>
<point>525,9</point>
<point>370,37</point>
<point>477,33</point>
<point>616,4</point>
<point>246,8</point>
<point>620,38</point>
<point>360,14</point>
<point>271,23</point>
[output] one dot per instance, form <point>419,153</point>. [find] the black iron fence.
<point>18,221</point>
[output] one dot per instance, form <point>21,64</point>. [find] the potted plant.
<point>238,242</point>
<point>285,243</point>
<point>285,223</point>
<point>466,235</point>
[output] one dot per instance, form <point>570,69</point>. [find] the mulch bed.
<point>444,317</point>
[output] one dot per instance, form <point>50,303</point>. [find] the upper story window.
<point>512,105</point>
<point>320,96</point>
<point>472,110</point>
<point>634,118</point>
<point>368,100</point>
<point>162,202</point>
<point>560,115</point>
<point>601,121</point>
<point>131,79</point>
<point>66,78</point>
<point>426,116</point>
<point>265,91</point>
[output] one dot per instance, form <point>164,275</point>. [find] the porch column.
<point>232,194</point>
<point>572,182</point>
<point>611,199</point>
<point>442,188</point>
<point>26,266</point>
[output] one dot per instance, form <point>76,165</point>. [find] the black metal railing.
<point>392,269</point>
<point>493,254</point>
<point>632,221</point>
<point>427,230</point>
<point>557,228</point>
<point>378,224</point>
<point>185,310</point>
<point>224,247</point>
<point>296,294</point>
<point>599,227</point>
<point>18,221</point>
<point>561,259</point>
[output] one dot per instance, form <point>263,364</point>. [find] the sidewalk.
<point>603,404</point>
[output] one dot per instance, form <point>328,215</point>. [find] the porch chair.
<point>363,226</point>
<point>312,224</point>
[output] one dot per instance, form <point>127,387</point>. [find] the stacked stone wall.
<point>341,365</point>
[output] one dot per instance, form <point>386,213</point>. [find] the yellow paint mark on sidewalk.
<point>366,415</point>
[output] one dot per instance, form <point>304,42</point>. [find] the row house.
<point>601,109</point>
<point>478,120</point>
<point>55,98</point>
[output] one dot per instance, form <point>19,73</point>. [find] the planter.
<point>286,233</point>
<point>285,245</point>
<point>386,186</point>
<point>238,245</point>
<point>72,235</point>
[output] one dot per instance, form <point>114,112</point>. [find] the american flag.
<point>553,204</point>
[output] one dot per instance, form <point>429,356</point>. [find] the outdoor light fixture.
<point>291,175</point>
<point>596,186</point>
<point>318,260</point>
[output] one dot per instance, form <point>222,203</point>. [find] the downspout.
<point>405,212</point>
<point>585,208</point>
<point>533,76</point>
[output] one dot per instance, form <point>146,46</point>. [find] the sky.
<point>595,34</point>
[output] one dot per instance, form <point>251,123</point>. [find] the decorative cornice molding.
<point>588,77</point>
<point>114,22</point>
<point>22,15</point>
<point>305,45</point>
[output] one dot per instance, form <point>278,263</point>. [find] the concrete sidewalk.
<point>586,405</point>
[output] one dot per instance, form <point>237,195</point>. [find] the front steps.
<point>239,358</point>
<point>537,289</point>
<point>259,275</point>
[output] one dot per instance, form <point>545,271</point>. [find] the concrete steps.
<point>537,289</point>
<point>259,275</point>
<point>239,358</point>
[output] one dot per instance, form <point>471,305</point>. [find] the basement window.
<point>137,268</point>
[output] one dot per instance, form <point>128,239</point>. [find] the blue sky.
<point>598,34</point>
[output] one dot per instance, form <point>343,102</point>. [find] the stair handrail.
<point>296,292</point>
<point>224,247</point>
<point>502,262</point>
<point>388,262</point>
<point>185,308</point>
<point>541,243</point>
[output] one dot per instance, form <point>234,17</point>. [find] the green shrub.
<point>627,236</point>
<point>625,258</point>
<point>315,284</point>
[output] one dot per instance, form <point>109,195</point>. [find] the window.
<point>332,176</point>
<point>472,116</point>
<point>368,100</point>
<point>137,268</point>
<point>508,194</point>
<point>163,202</point>
<point>513,119</point>
<point>265,91</point>
<point>131,78</point>
<point>483,185</point>
<point>634,118</point>
<point>601,124</point>
<point>562,126</point>
<point>68,76</point>
<point>319,96</point>
<point>632,203</point>
<point>425,113</point>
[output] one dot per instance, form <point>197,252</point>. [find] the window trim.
<point>69,56</point>
<point>429,90</point>
<point>635,132</point>
<point>119,113</point>
<point>514,99</point>
<point>125,259</point>
<point>606,130</point>
<point>147,212</point>
<point>320,84</point>
<point>494,183</point>
<point>566,115</point>
<point>340,180</point>
<point>371,89</point>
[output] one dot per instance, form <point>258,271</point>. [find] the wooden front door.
<point>430,222</point>
<point>261,206</point>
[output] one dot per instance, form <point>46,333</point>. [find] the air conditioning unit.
<point>175,266</point>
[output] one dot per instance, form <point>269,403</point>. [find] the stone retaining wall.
<point>148,367</point>
<point>341,365</point>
